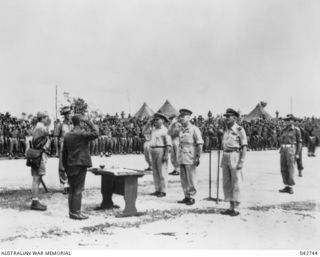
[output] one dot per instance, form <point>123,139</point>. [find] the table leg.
<point>130,196</point>
<point>107,184</point>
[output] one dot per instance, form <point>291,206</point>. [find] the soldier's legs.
<point>77,183</point>
<point>300,164</point>
<point>101,145</point>
<point>110,145</point>
<point>1,145</point>
<point>11,146</point>
<point>188,180</point>
<point>232,180</point>
<point>147,153</point>
<point>23,146</point>
<point>175,154</point>
<point>160,169</point>
<point>130,145</point>
<point>287,160</point>
<point>62,173</point>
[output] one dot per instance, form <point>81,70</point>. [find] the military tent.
<point>258,113</point>
<point>144,112</point>
<point>168,109</point>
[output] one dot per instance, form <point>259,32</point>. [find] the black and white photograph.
<point>150,125</point>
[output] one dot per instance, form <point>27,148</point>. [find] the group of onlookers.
<point>124,135</point>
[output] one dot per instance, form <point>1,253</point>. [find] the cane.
<point>210,180</point>
<point>218,177</point>
<point>44,185</point>
<point>210,175</point>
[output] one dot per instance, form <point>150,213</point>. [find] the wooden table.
<point>121,181</point>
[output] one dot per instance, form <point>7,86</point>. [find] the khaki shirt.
<point>235,137</point>
<point>160,137</point>
<point>65,128</point>
<point>290,135</point>
<point>147,133</point>
<point>190,137</point>
<point>174,129</point>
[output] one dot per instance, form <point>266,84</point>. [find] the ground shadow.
<point>291,206</point>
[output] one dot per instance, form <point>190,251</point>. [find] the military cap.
<point>231,112</point>
<point>65,110</point>
<point>161,116</point>
<point>41,115</point>
<point>184,112</point>
<point>172,117</point>
<point>290,117</point>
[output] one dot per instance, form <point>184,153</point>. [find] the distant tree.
<point>23,115</point>
<point>79,106</point>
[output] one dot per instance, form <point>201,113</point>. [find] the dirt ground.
<point>268,220</point>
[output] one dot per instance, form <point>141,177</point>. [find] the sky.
<point>199,54</point>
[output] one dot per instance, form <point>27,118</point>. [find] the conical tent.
<point>258,113</point>
<point>144,112</point>
<point>168,109</point>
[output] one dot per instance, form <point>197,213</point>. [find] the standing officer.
<point>234,143</point>
<point>76,159</point>
<point>290,141</point>
<point>160,147</point>
<point>190,148</point>
<point>64,128</point>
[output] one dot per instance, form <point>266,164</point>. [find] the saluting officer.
<point>291,142</point>
<point>234,144</point>
<point>190,148</point>
<point>63,129</point>
<point>160,148</point>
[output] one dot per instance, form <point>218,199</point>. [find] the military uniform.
<point>14,141</point>
<point>62,130</point>
<point>190,144</point>
<point>233,139</point>
<point>290,141</point>
<point>160,141</point>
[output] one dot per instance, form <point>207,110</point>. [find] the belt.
<point>231,150</point>
<point>287,145</point>
<point>158,147</point>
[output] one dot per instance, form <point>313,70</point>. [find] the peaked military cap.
<point>290,117</point>
<point>65,110</point>
<point>184,112</point>
<point>231,112</point>
<point>41,115</point>
<point>161,116</point>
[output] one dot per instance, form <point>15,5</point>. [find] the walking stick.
<point>210,179</point>
<point>217,199</point>
<point>218,177</point>
<point>44,185</point>
<point>210,175</point>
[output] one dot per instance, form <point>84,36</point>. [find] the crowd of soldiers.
<point>124,135</point>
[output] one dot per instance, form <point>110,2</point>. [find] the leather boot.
<point>37,206</point>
